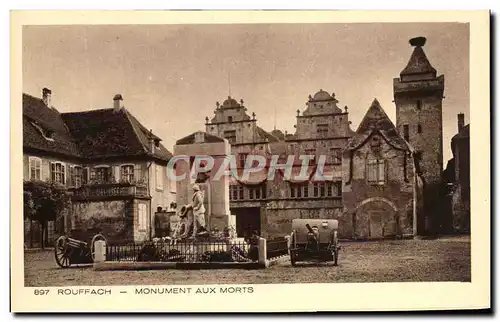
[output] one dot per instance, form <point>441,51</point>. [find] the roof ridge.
<point>87,111</point>
<point>128,115</point>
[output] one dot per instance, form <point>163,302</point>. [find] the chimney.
<point>151,141</point>
<point>461,122</point>
<point>117,105</point>
<point>46,94</point>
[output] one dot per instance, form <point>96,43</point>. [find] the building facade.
<point>114,168</point>
<point>418,95</point>
<point>386,179</point>
<point>457,178</point>
<point>380,186</point>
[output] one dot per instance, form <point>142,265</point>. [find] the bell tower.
<point>418,95</point>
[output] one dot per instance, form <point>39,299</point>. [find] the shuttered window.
<point>58,172</point>
<point>127,173</point>
<point>35,168</point>
<point>376,171</point>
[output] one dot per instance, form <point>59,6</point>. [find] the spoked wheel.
<point>336,257</point>
<point>92,244</point>
<point>292,246</point>
<point>63,252</point>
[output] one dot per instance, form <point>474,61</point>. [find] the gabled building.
<point>268,205</point>
<point>114,167</point>
<point>380,185</point>
<point>457,178</point>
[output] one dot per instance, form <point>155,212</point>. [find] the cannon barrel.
<point>309,228</point>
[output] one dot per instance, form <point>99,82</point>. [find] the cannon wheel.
<point>292,244</point>
<point>336,248</point>
<point>92,244</point>
<point>62,252</point>
<point>336,257</point>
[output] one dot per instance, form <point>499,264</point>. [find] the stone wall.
<point>387,208</point>
<point>461,211</point>
<point>114,219</point>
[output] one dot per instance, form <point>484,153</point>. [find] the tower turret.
<point>418,95</point>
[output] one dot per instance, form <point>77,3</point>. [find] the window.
<point>102,174</point>
<point>299,190</point>
<point>336,155</point>
<point>159,177</point>
<point>127,173</point>
<point>322,130</point>
<point>419,104</point>
<point>229,119</point>
<point>375,142</point>
<point>76,174</point>
<point>35,168</point>
<point>334,189</point>
<point>322,190</point>
<point>257,193</point>
<point>305,190</point>
<point>376,171</point>
<point>85,176</point>
<point>142,222</point>
<point>313,153</point>
<point>242,158</point>
<point>58,172</point>
<point>236,192</point>
<point>419,128</point>
<point>230,136</point>
<point>47,134</point>
<point>406,132</point>
<point>327,189</point>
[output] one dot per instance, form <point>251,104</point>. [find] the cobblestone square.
<point>444,259</point>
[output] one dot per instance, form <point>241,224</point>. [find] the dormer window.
<point>157,143</point>
<point>47,134</point>
<point>375,142</point>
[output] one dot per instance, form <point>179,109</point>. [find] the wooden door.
<point>376,226</point>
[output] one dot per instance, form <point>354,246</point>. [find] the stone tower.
<point>418,95</point>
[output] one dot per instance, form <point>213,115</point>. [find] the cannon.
<point>314,240</point>
<point>70,251</point>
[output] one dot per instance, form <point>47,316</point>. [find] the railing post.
<point>263,252</point>
<point>100,251</point>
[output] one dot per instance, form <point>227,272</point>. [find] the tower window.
<point>229,118</point>
<point>419,128</point>
<point>419,104</point>
<point>406,132</point>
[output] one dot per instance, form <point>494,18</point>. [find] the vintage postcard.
<point>250,161</point>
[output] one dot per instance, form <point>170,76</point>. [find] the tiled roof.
<point>376,120</point>
<point>44,129</point>
<point>106,133</point>
<point>190,139</point>
<point>418,63</point>
<point>143,134</point>
<point>266,135</point>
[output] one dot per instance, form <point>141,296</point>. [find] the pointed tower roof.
<point>377,121</point>
<point>418,63</point>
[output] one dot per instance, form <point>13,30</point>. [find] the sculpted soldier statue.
<point>198,210</point>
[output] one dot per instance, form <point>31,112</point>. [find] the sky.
<point>171,76</point>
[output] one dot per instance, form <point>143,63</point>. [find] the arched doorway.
<point>376,218</point>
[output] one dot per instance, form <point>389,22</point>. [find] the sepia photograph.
<point>162,156</point>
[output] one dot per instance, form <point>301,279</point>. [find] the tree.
<point>44,202</point>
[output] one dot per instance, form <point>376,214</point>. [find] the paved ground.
<point>446,259</point>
